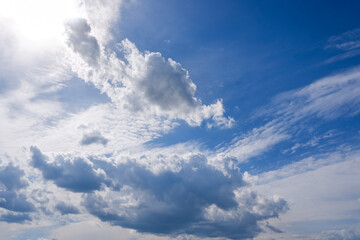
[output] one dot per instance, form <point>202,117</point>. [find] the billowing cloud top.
<point>141,82</point>
<point>95,131</point>
<point>194,198</point>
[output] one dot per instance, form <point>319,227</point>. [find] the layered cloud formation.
<point>194,198</point>
<point>81,112</point>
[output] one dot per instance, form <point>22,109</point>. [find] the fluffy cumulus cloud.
<point>15,217</point>
<point>11,177</point>
<point>163,83</point>
<point>102,15</point>
<point>166,87</point>
<point>93,162</point>
<point>80,40</point>
<point>143,83</point>
<point>193,197</point>
<point>14,205</point>
<point>77,175</point>
<point>93,138</point>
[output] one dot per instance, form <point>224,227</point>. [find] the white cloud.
<point>348,42</point>
<point>320,190</point>
<point>288,113</point>
<point>342,56</point>
<point>149,94</point>
<point>345,41</point>
<point>328,98</point>
<point>93,229</point>
<point>30,119</point>
<point>102,15</point>
<point>258,141</point>
<point>351,233</point>
<point>147,84</point>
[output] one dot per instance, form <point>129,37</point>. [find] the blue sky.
<point>179,119</point>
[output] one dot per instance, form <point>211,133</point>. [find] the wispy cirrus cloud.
<point>323,198</point>
<point>345,41</point>
<point>349,42</point>
<point>289,113</point>
<point>327,98</point>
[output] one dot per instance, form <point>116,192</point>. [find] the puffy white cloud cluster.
<point>195,198</point>
<point>143,83</point>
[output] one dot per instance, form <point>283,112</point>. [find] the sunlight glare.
<point>38,21</point>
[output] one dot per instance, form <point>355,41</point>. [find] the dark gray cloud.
<point>167,84</point>
<point>64,208</point>
<point>11,177</point>
<point>76,175</point>
<point>196,199</point>
<point>15,217</point>
<point>178,202</point>
<point>80,40</point>
<point>159,82</point>
<point>15,202</point>
<point>93,138</point>
<point>162,86</point>
<point>274,229</point>
<point>173,200</point>
<point>192,182</point>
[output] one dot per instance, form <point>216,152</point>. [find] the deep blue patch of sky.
<point>244,52</point>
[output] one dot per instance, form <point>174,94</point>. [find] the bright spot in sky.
<point>38,21</point>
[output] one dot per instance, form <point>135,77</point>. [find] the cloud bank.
<point>195,198</point>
